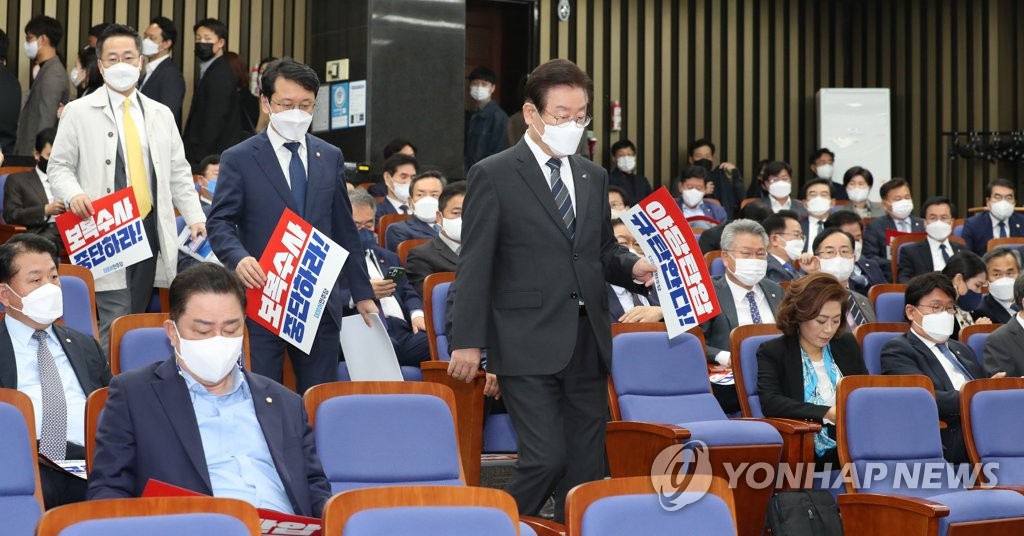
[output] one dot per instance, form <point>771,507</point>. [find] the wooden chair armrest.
<point>469,414</point>
<point>632,446</point>
<point>797,439</point>
<point>786,426</point>
<point>901,503</point>
<point>1018,489</point>
<point>543,527</point>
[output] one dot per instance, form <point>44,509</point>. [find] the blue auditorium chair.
<point>156,516</point>
<point>872,337</point>
<point>21,498</point>
<point>987,406</point>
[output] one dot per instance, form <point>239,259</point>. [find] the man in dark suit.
<point>28,198</point>
<point>899,206</point>
<point>624,173</point>
<point>531,210</point>
<point>200,421</point>
<point>690,188</point>
<point>834,255</point>
<point>725,182</point>
<point>399,170</point>
<point>785,242</point>
<point>931,254</point>
<point>1003,266</point>
<point>425,190</point>
<point>927,350</point>
<point>441,254</point>
<point>163,81</point>
<point>49,88</point>
<point>1002,348</point>
<point>630,304</point>
<point>1000,221</point>
<point>866,270</point>
<point>284,167</point>
<point>214,120</point>
<point>41,358</point>
<point>10,100</point>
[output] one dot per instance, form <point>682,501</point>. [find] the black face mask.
<point>41,164</point>
<point>204,51</point>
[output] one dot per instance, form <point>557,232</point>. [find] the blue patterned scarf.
<point>822,442</point>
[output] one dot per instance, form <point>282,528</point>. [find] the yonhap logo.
<point>689,469</point>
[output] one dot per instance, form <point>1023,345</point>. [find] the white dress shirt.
<point>938,263</point>
<point>995,225</point>
<point>825,389</point>
<point>26,350</point>
<point>390,304</point>
<point>284,156</point>
<point>776,206</point>
<point>905,225</point>
<point>956,377</point>
<point>135,109</point>
<point>47,190</point>
<point>692,212</point>
<point>398,205</point>
<point>452,245</point>
<point>1019,319</point>
<point>564,173</point>
<point>743,316</point>
<point>812,232</point>
<point>625,297</point>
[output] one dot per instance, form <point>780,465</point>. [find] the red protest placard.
<point>302,265</point>
<point>111,240</point>
<point>682,279</point>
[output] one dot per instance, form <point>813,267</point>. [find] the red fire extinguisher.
<point>616,116</point>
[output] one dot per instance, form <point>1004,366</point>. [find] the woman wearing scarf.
<point>798,372</point>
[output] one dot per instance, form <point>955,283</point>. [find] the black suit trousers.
<point>59,487</point>
<point>320,365</point>
<point>560,420</point>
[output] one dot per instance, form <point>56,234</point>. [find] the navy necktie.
<point>562,199</point>
<point>944,348</point>
<point>856,315</point>
<point>755,313</point>
<point>944,251</point>
<point>1002,229</point>
<point>297,174</point>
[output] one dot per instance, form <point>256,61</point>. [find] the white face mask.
<point>838,266</point>
<point>401,190</point>
<point>750,271</point>
<point>43,305</point>
<point>938,230</point>
<point>902,208</point>
<point>31,49</point>
<point>1002,289</point>
<point>693,197</point>
<point>425,209</point>
<point>1001,210</point>
<point>563,141</point>
<point>149,48</point>
<point>780,189</point>
<point>858,247</point>
<point>452,228</point>
<point>121,77</point>
<point>209,360</point>
<point>626,164</point>
<point>75,73</point>
<point>291,124</point>
<point>480,93</point>
<point>618,213</point>
<point>794,248</point>
<point>938,326</point>
<point>825,171</point>
<point>819,206</point>
<point>858,195</point>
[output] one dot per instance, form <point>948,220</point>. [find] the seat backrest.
<point>435,306</point>
<point>890,422</point>
<point>744,341</point>
<point>79,313</point>
<point>975,336</point>
<point>94,405</point>
<point>386,221</point>
<point>713,260</point>
<point>661,380</point>
<point>889,307</point>
<point>20,497</point>
<point>405,246</point>
<point>154,515</point>
<point>872,337</point>
<point>140,339</point>
<point>422,510</point>
<point>402,437</point>
<point>1010,241</point>
<point>987,406</point>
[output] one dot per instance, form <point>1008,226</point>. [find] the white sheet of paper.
<point>368,350</point>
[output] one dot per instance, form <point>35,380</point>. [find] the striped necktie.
<point>856,315</point>
<point>562,199</point>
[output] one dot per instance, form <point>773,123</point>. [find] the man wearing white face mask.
<point>57,367</point>
<point>285,167</point>
<point>899,208</point>
<point>927,350</point>
<point>425,189</point>
<point>691,197</point>
<point>399,169</point>
<point>866,271</point>
<point>777,179</point>
<point>819,203</point>
<point>163,81</point>
<point>821,163</point>
<point>441,254</point>
<point>49,87</point>
<point>624,172</point>
<point>1003,266</point>
<point>786,242</point>
<point>486,122</point>
<point>199,421</point>
<point>933,253</point>
<point>834,255</point>
<point>1000,221</point>
<point>114,138</point>
<point>1002,348</point>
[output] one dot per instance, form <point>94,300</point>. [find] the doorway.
<point>503,35</point>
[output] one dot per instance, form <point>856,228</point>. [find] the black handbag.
<point>804,513</point>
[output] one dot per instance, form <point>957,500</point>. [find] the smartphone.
<point>395,273</point>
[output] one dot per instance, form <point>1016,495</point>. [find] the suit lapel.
<point>726,301</point>
<point>173,394</point>
<point>36,187</point>
<point>444,251</point>
<point>266,158</point>
<point>315,173</point>
<point>534,179</point>
<point>614,307</point>
<point>8,363</point>
<point>931,360</point>
<point>581,184</point>
<point>268,413</point>
<point>773,296</point>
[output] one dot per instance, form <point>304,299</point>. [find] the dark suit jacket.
<point>88,361</point>
<point>777,271</point>
<point>908,354</point>
<point>874,237</point>
<point>408,298</point>
<point>512,232</point>
<point>871,270</point>
<point>711,210</point>
<point>636,186</point>
<point>717,330</point>
<point>994,311</point>
<point>10,108</point>
<point>167,86</point>
<point>728,189</point>
<point>252,194</point>
<point>49,90</point>
<point>407,230</point>
<point>1002,350</point>
<point>214,121</point>
<point>615,310</point>
<point>149,431</point>
<point>25,201</point>
<point>711,239</point>
<point>978,230</point>
<point>432,257</point>
<point>916,259</point>
<point>865,305</point>
<point>780,376</point>
<point>383,208</point>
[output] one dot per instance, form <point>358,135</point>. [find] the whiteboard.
<point>856,125</point>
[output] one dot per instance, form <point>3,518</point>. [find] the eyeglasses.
<point>111,61</point>
<point>747,254</point>
<point>563,122</point>
<point>831,253</point>
<point>951,309</point>
<point>305,106</point>
<point>795,235</point>
<point>933,219</point>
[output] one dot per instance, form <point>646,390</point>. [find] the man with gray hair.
<point>744,295</point>
<point>1002,348</point>
<point>1003,267</point>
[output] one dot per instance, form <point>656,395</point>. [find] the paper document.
<point>369,354</point>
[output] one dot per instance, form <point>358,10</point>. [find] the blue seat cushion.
<point>730,433</point>
<point>169,525</point>
<point>338,486</point>
<point>979,505</point>
<point>643,514</point>
<point>431,521</point>
<point>21,514</point>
